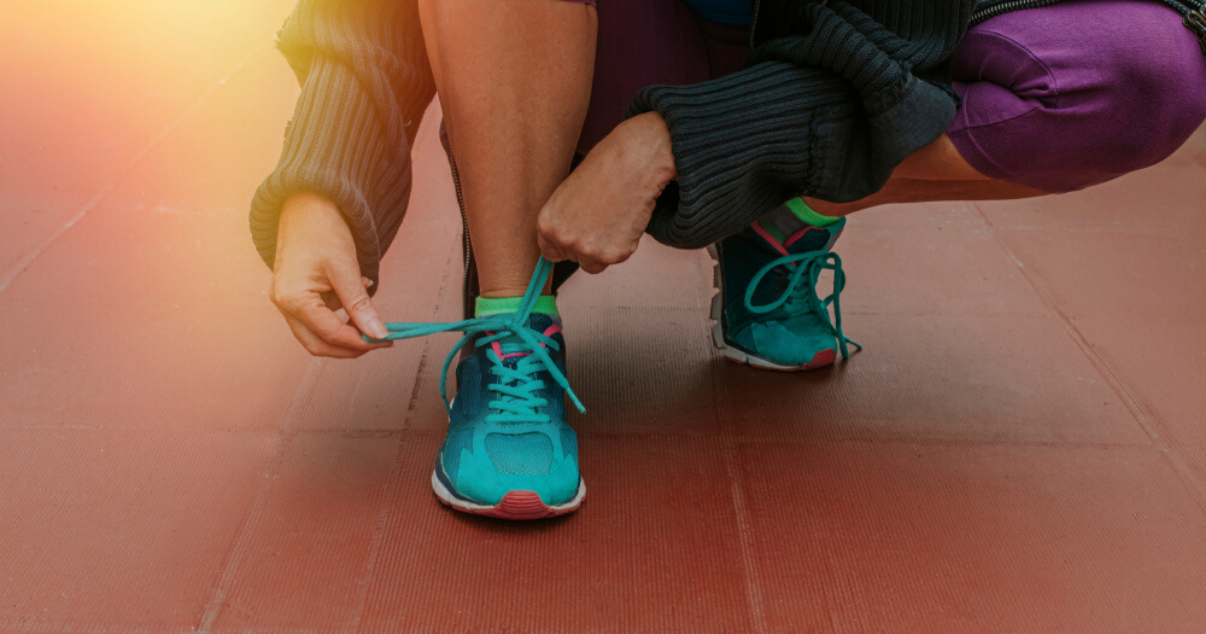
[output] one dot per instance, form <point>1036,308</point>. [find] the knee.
<point>1151,87</point>
<point>1083,110</point>
<point>1150,100</point>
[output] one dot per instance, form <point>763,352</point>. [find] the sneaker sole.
<point>822,359</point>
<point>515,505</point>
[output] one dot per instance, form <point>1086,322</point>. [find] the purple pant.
<point>1057,98</point>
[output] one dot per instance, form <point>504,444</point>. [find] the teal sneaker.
<point>767,311</point>
<point>509,452</point>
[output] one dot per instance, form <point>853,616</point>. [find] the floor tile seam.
<point>23,263</point>
<point>376,541</point>
<point>732,468</point>
<point>741,515</point>
<point>1192,480</point>
<point>1128,394</point>
<point>1123,390</point>
<point>846,311</point>
<point>55,298</point>
<point>22,625</point>
<point>355,622</point>
<point>175,429</point>
<point>743,521</point>
<point>286,432</point>
<point>731,451</point>
<point>954,443</point>
<point>366,433</point>
<point>40,628</point>
<point>687,436</point>
<point>1120,232</point>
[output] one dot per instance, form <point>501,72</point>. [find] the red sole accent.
<point>518,505</point>
<point>823,359</point>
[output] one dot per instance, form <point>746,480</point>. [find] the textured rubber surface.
<point>1020,449</point>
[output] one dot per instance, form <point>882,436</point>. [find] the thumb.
<point>349,286</point>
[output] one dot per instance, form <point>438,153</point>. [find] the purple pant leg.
<point>1075,94</point>
<point>645,42</point>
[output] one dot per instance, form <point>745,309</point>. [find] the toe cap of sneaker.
<point>479,480</point>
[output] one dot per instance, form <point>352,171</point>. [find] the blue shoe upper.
<point>770,305</point>
<point>507,429</point>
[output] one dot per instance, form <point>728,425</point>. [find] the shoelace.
<point>517,390</point>
<point>812,264</point>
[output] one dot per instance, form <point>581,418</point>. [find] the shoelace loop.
<point>810,264</point>
<point>517,392</point>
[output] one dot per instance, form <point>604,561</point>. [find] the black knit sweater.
<point>366,82</point>
<point>835,94</point>
<point>830,102</point>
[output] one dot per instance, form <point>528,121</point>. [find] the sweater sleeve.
<point>829,114</point>
<point>365,83</point>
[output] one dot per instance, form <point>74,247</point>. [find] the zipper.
<point>1194,20</point>
<point>754,22</point>
<point>997,8</point>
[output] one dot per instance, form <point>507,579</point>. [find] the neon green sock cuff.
<point>486,306</point>
<point>807,214</point>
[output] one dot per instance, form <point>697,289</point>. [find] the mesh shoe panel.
<point>522,454</point>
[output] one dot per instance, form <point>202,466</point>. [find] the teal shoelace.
<point>797,293</point>
<point>518,386</point>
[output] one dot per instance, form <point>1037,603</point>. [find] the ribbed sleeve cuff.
<point>337,146</point>
<point>743,144</point>
<point>829,114</point>
<point>746,143</point>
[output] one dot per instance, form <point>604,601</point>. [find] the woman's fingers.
<point>550,250</point>
<point>597,215</point>
<point>353,296</point>
<point>314,344</point>
<point>305,308</point>
<point>328,326</point>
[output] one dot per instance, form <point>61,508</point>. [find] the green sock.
<point>486,306</point>
<point>807,214</point>
<point>793,216</point>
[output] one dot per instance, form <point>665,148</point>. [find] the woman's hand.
<point>316,273</point>
<point>596,217</point>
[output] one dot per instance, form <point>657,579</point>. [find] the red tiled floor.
<point>128,364</point>
<point>654,548</point>
<point>1019,448</point>
<point>98,83</point>
<point>313,544</point>
<point>982,379</point>
<point>1145,310</point>
<point>119,530</point>
<point>947,262</point>
<point>903,537</point>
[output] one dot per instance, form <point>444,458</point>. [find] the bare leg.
<point>514,81</point>
<point>935,172</point>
